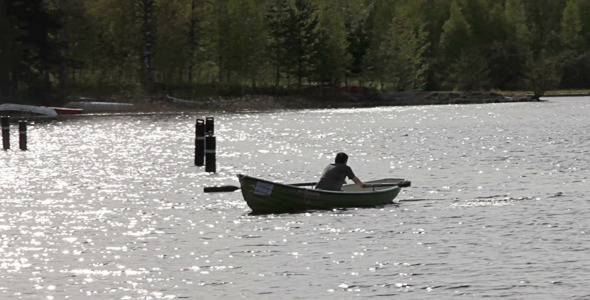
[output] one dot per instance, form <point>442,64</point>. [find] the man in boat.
<point>335,174</point>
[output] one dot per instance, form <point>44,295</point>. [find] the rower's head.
<point>341,157</point>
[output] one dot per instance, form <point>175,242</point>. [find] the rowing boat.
<point>67,111</point>
<point>101,107</point>
<point>265,196</point>
<point>22,110</point>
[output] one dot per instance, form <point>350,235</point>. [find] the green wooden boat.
<point>265,196</point>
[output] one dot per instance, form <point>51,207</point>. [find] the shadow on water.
<point>310,211</point>
<point>343,209</point>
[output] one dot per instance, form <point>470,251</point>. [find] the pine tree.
<point>246,43</point>
<point>223,22</point>
<point>403,52</point>
<point>380,19</point>
<point>433,15</point>
<point>456,35</point>
<point>172,51</point>
<point>146,12</point>
<point>467,67</point>
<point>571,27</point>
<point>357,35</point>
<point>277,15</point>
<point>30,41</point>
<point>302,38</point>
<point>542,68</point>
<point>5,52</point>
<point>113,50</point>
<point>332,57</point>
<point>193,39</point>
<point>575,54</point>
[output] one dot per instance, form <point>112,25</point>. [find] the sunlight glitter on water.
<point>112,206</point>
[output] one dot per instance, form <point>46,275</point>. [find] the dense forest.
<point>53,48</point>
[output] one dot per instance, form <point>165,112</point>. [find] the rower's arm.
<point>359,182</point>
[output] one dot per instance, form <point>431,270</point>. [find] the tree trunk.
<point>5,59</point>
<point>63,36</point>
<point>192,42</point>
<point>299,72</point>
<point>220,69</point>
<point>278,78</point>
<point>148,33</point>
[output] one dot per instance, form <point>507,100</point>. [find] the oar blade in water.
<point>221,189</point>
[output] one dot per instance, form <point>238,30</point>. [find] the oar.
<point>404,183</point>
<point>220,189</point>
<point>231,188</point>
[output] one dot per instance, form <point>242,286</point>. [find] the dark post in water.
<point>209,126</point>
<point>210,154</point>
<point>209,146</point>
<point>200,143</point>
<point>5,132</point>
<point>22,131</point>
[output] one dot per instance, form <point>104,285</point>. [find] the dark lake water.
<point>112,207</point>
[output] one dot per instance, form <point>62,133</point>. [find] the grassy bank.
<point>555,93</point>
<point>212,98</point>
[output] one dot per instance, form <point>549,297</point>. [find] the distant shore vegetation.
<point>200,48</point>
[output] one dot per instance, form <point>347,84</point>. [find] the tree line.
<point>50,48</point>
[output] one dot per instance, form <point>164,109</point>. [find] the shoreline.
<point>311,99</point>
<point>305,101</point>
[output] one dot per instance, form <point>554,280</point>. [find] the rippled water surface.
<point>112,206</point>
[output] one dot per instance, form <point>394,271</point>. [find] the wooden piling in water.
<point>205,152</point>
<point>210,154</point>
<point>200,143</point>
<point>209,126</point>
<point>5,132</point>
<point>22,133</point>
<point>210,146</point>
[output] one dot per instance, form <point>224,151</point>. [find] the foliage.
<point>356,15</point>
<point>29,48</point>
<point>302,38</point>
<point>402,52</point>
<point>277,14</point>
<point>51,47</point>
<point>332,57</point>
<point>543,72</point>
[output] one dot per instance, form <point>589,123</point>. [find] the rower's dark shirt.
<point>333,177</point>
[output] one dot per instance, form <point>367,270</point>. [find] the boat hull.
<point>265,196</point>
<point>67,111</point>
<point>21,110</point>
<point>101,107</point>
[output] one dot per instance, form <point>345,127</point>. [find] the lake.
<point>112,206</point>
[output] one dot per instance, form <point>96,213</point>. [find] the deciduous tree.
<point>403,53</point>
